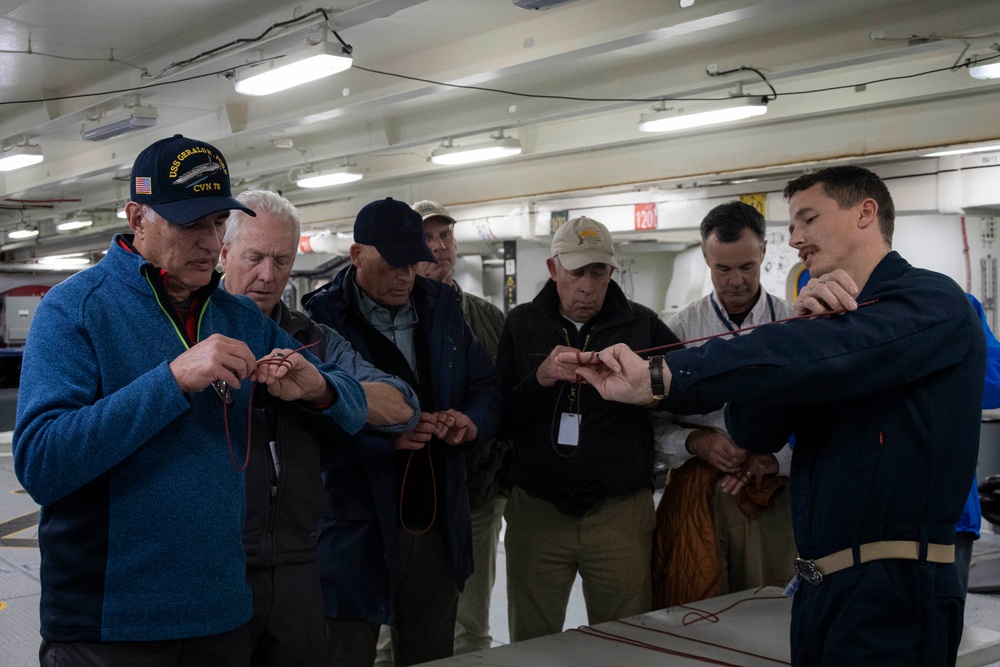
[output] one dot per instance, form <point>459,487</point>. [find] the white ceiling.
<point>613,50</point>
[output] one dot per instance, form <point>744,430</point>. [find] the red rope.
<point>579,359</point>
<point>704,615</point>
<point>402,492</point>
<point>601,634</point>
<point>739,331</point>
<point>270,361</point>
<point>708,643</point>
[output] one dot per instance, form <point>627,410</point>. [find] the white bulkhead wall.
<point>663,268</point>
<point>932,208</point>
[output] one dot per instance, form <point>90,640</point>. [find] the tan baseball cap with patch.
<point>583,241</point>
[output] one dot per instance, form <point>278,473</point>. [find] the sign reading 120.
<point>645,217</point>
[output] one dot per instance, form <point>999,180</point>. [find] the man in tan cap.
<point>581,466</point>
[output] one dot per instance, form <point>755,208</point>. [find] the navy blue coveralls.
<point>885,405</point>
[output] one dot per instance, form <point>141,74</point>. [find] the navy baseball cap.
<point>182,180</point>
<point>396,231</point>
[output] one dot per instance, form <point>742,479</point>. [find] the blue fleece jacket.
<point>142,508</point>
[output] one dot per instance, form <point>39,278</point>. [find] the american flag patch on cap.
<point>142,185</point>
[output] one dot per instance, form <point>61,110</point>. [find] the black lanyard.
<point>725,320</point>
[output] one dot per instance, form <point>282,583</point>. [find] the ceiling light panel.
<point>323,179</point>
<point>20,156</point>
<point>314,62</point>
<point>71,225</point>
<point>19,234</point>
<point>492,150</point>
<point>134,119</point>
<point>685,118</point>
<point>987,71</point>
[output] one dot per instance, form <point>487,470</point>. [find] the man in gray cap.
<point>582,467</point>
<point>487,490</point>
<point>394,543</point>
<point>132,427</point>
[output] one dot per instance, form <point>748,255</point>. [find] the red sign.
<point>645,217</point>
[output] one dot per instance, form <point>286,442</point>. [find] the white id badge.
<point>569,429</point>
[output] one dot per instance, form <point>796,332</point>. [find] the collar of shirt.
<point>398,329</point>
<point>759,314</point>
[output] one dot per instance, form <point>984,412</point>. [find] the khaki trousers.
<point>472,626</point>
<point>609,547</point>
<point>753,552</point>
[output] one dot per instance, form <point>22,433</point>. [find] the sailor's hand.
<point>828,293</point>
<point>616,372</point>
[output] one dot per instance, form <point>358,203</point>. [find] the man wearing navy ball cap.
<point>395,541</point>
<point>132,423</point>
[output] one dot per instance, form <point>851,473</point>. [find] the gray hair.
<point>262,202</point>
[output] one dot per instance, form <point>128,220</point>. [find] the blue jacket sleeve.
<point>350,410</point>
<point>340,352</point>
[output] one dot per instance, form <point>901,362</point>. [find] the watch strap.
<point>656,377</point>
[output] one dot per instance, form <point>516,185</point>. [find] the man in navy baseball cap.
<point>396,231</point>
<point>137,370</point>
<point>182,180</point>
<point>410,550</point>
<point>181,199</point>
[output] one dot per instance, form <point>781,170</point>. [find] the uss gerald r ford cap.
<point>396,231</point>
<point>183,180</point>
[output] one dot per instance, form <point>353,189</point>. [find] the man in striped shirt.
<point>755,543</point>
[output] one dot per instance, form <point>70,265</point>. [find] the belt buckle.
<point>808,571</point>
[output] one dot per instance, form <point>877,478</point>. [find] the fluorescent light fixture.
<point>492,150</point>
<point>324,179</point>
<point>986,71</point>
<point>132,120</point>
<point>963,151</point>
<point>70,225</point>
<point>682,118</point>
<point>25,233</point>
<point>64,261</point>
<point>20,156</point>
<point>314,62</point>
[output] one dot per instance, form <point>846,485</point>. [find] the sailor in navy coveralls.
<point>885,405</point>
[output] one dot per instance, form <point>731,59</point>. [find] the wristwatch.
<point>656,377</point>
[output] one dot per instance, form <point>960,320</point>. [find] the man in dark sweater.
<point>581,466</point>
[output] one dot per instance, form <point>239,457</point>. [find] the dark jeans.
<point>228,649</point>
<point>287,627</point>
<point>425,598</point>
<point>352,642</point>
